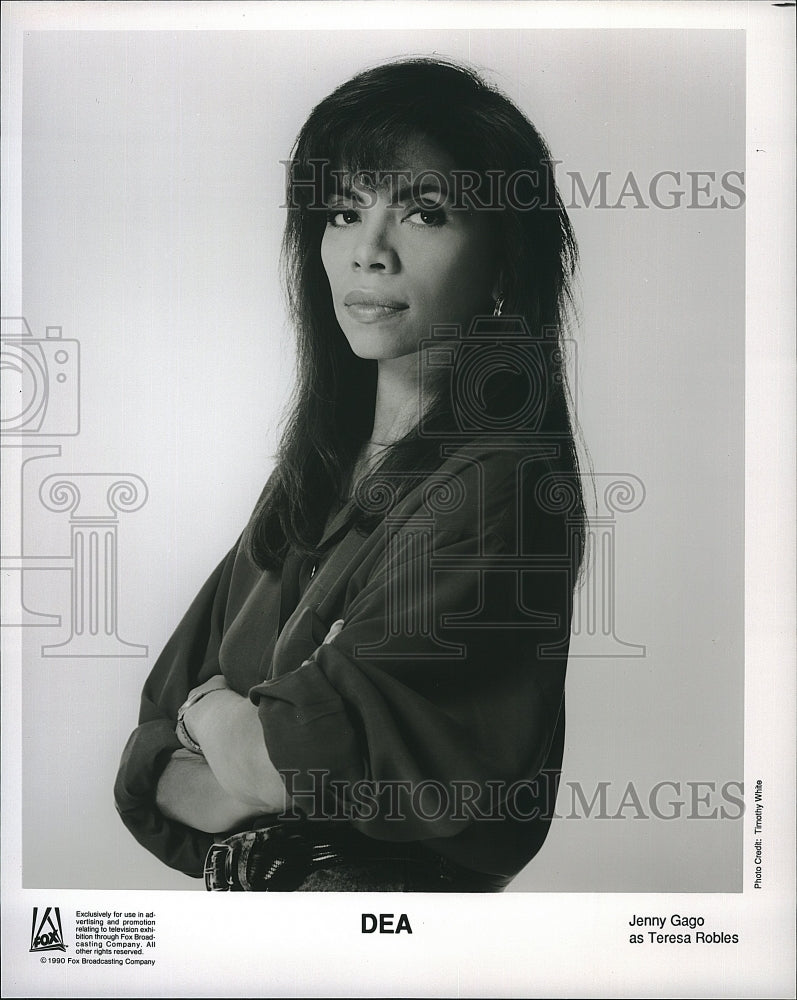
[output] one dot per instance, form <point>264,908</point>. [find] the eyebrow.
<point>396,182</point>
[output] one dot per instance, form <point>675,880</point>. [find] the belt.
<point>280,856</point>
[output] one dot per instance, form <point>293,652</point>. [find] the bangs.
<point>371,151</point>
<point>368,147</point>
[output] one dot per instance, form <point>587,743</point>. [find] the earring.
<point>499,305</point>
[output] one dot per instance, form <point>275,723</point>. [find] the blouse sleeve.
<point>189,658</point>
<point>449,671</point>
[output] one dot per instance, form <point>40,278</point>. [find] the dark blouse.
<point>437,714</point>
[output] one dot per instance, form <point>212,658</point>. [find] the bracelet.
<point>181,729</point>
<point>185,738</point>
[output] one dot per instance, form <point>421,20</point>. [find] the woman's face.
<point>400,259</point>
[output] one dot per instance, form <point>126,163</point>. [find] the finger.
<point>218,682</point>
<point>334,630</point>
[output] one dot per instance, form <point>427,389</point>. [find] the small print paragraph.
<point>114,937</point>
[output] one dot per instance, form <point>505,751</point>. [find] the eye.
<point>427,218</point>
<point>339,218</point>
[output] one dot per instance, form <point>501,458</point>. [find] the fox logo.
<point>46,934</point>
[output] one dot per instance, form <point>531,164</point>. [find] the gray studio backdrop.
<point>151,217</point>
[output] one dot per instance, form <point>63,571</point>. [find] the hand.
<point>334,630</point>
<point>183,730</point>
<point>216,683</point>
<point>227,728</point>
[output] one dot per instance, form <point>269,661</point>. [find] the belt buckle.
<point>219,868</point>
<point>227,863</point>
<point>260,860</point>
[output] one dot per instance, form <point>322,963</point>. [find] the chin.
<point>373,346</point>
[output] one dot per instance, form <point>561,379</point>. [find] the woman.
<point>368,692</point>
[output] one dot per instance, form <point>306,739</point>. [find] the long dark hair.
<point>361,126</point>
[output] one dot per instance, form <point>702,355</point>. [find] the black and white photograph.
<point>398,499</point>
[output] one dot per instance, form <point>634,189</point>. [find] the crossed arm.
<point>233,780</point>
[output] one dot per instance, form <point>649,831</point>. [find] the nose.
<point>374,250</point>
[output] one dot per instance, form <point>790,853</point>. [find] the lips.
<point>370,307</point>
<point>359,298</point>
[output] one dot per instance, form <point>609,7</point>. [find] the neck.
<point>397,408</point>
